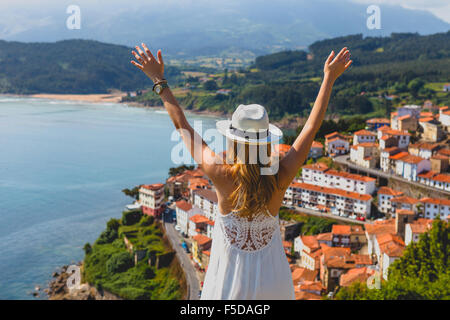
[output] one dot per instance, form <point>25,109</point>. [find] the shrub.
<point>147,220</point>
<point>113,224</point>
<point>87,248</point>
<point>107,236</point>
<point>131,217</point>
<point>119,262</point>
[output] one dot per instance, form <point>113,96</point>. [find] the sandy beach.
<point>107,97</point>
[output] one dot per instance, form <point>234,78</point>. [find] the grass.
<point>140,281</point>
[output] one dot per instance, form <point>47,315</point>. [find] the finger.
<point>348,64</point>
<point>330,57</point>
<point>138,57</point>
<point>160,59</point>
<point>341,53</point>
<point>147,51</point>
<point>141,53</point>
<point>346,56</point>
<point>137,64</point>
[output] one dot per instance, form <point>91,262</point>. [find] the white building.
<point>424,150</point>
<point>362,136</point>
<point>415,229</point>
<point>151,198</point>
<point>433,208</point>
<point>316,150</point>
<point>305,244</point>
<point>340,202</point>
<point>441,181</point>
<point>409,167</point>
<point>365,154</point>
<point>385,194</point>
<point>206,199</point>
<point>386,162</point>
<point>444,117</point>
<point>402,137</point>
<point>319,174</point>
<point>184,210</point>
<point>336,144</point>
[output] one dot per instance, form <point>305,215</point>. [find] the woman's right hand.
<point>335,67</point>
<point>154,69</point>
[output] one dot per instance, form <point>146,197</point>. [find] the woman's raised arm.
<point>154,69</point>
<point>298,153</point>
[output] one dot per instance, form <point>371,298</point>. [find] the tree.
<point>119,262</point>
<point>134,193</point>
<point>210,85</point>
<point>415,85</point>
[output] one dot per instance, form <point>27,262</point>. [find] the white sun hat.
<point>250,124</point>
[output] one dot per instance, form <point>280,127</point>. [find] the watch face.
<point>158,89</point>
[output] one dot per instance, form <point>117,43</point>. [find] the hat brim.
<point>275,134</point>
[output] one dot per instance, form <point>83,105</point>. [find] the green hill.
<point>70,66</point>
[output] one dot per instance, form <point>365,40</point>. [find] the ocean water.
<point>62,168</point>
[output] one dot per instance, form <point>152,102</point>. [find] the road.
<point>379,173</point>
<point>189,270</point>
<point>328,215</point>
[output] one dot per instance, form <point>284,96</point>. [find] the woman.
<point>247,257</point>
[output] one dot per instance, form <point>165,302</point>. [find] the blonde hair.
<point>254,190</point>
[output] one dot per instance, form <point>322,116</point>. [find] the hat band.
<point>249,135</point>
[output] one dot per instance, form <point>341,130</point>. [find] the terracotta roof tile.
<point>184,205</point>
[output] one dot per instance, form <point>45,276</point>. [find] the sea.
<point>63,165</point>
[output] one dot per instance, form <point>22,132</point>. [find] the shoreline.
<point>116,97</point>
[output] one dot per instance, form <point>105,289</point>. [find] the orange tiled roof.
<point>324,236</point>
<point>201,239</point>
<point>364,133</point>
<point>311,286</point>
<point>404,212</point>
<point>445,152</point>
<point>341,229</point>
<point>318,166</point>
<point>183,205</point>
<point>362,259</point>
<point>379,227</point>
<point>153,187</point>
<point>335,191</point>
<point>351,176</point>
<point>418,227</point>
<point>355,274</point>
<point>378,120</point>
<point>310,241</point>
<point>404,199</point>
<point>399,155</point>
<point>412,159</point>
<point>198,218</point>
<point>442,177</point>
<point>389,191</point>
<point>427,174</point>
<point>209,195</point>
<point>441,202</point>
<point>303,295</point>
<point>316,144</point>
<point>303,274</point>
<point>392,249</point>
<point>388,237</point>
<point>426,119</point>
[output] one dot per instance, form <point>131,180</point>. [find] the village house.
<point>423,149</point>
<point>305,244</point>
<point>342,202</point>
<point>206,199</point>
<point>348,236</point>
<point>439,163</point>
<point>319,174</point>
<point>184,210</point>
<point>326,238</point>
<point>336,144</point>
<point>197,225</point>
<point>316,150</point>
<point>362,136</point>
<point>433,207</point>
<point>403,203</point>
<point>354,275</point>
<point>402,137</point>
<point>415,229</point>
<point>441,181</point>
<point>311,260</point>
<point>387,162</point>
<point>432,130</point>
<point>376,228</point>
<point>409,166</point>
<point>365,154</point>
<point>151,198</point>
<point>289,229</point>
<point>334,262</point>
<point>385,194</point>
<point>375,123</point>
<point>444,117</point>
<point>178,185</point>
<point>200,243</point>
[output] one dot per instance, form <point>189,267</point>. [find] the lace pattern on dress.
<point>249,235</point>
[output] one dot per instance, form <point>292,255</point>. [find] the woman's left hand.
<point>335,66</point>
<point>154,69</point>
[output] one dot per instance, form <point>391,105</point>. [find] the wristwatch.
<point>159,86</point>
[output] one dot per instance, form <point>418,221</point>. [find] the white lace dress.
<point>247,260</point>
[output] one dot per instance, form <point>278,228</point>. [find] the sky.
<point>440,8</point>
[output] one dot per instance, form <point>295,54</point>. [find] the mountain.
<point>189,28</point>
<point>69,66</point>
